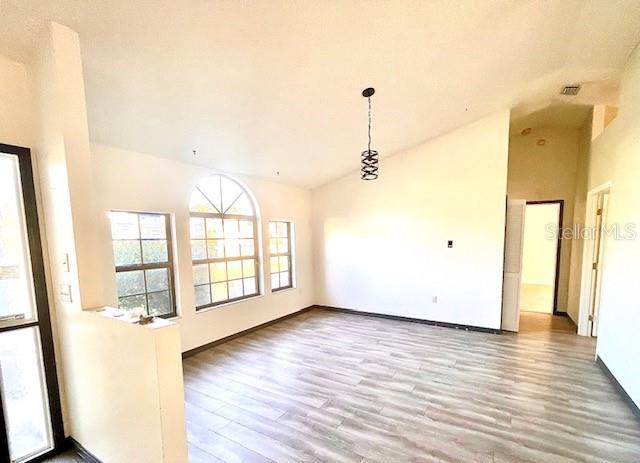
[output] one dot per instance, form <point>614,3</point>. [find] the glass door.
<point>30,416</point>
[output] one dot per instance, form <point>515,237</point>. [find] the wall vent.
<point>570,90</point>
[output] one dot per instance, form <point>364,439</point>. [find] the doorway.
<point>541,256</point>
<point>30,414</point>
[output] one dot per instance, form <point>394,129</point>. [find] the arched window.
<point>224,242</point>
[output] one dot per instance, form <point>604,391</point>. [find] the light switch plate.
<point>65,293</point>
<point>65,263</point>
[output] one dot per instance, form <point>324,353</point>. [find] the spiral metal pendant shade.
<point>369,157</point>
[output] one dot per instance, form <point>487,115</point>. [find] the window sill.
<point>228,304</point>
<point>286,290</point>
<point>115,313</point>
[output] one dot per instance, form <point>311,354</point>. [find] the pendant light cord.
<point>369,133</point>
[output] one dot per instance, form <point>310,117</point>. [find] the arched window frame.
<point>223,215</point>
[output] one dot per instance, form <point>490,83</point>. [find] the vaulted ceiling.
<point>265,86</point>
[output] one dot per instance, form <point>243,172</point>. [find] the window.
<point>280,255</point>
<point>144,264</point>
<point>224,246</point>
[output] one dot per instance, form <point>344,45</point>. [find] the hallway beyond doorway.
<point>531,322</point>
<point>540,254</point>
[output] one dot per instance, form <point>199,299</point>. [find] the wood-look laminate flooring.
<point>334,387</point>
<point>531,322</point>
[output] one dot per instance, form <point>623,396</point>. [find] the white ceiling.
<point>274,85</point>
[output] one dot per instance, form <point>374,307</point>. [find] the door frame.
<point>588,255</point>
<point>556,283</point>
<point>507,228</point>
<point>42,307</point>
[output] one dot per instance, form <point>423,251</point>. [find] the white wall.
<point>134,181</point>
<point>615,156</point>
<point>16,104</point>
<point>381,246</point>
<point>539,250</point>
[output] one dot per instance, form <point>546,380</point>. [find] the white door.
<point>598,255</point>
<point>513,245</point>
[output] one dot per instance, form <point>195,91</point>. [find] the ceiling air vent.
<point>570,90</point>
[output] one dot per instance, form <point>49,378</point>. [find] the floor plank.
<point>327,386</point>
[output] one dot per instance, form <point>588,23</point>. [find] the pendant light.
<point>369,157</point>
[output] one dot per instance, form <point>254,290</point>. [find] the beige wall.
<point>579,213</point>
<point>539,251</point>
<point>127,180</point>
<point>16,104</point>
<point>615,157</point>
<point>382,246</point>
<point>548,172</point>
<point>102,363</point>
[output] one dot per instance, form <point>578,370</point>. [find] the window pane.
<point>124,226</point>
<point>249,286</point>
<point>154,251</point>
<point>230,191</point>
<point>234,269</point>
<point>241,207</point>
<point>273,227</point>
<point>284,279</point>
<point>157,279</point>
<point>153,226</point>
<point>198,249</point>
<point>16,282</point>
<point>232,248</point>
<point>214,228</point>
<point>203,295</point>
<point>246,247</point>
<point>275,280</point>
<point>274,265</point>
<point>210,187</point>
<point>283,245</point>
<point>196,227</point>
<point>198,203</point>
<point>231,229</point>
<point>284,263</point>
<point>246,229</point>
<point>218,272</point>
<point>130,282</point>
<point>200,274</point>
<point>159,303</point>
<point>23,396</point>
<point>227,239</point>
<point>150,247</point>
<point>127,253</point>
<point>219,291</point>
<point>282,229</point>
<point>235,289</point>
<point>215,248</point>
<point>133,302</point>
<point>273,246</point>
<point>248,268</point>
